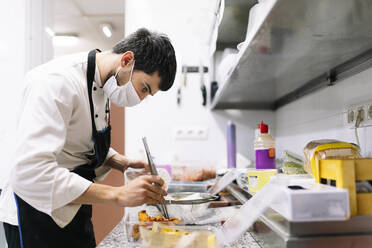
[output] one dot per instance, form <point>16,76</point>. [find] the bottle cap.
<point>264,128</point>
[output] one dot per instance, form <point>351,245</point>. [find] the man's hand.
<point>121,163</point>
<point>141,190</point>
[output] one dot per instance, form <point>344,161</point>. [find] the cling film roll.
<point>248,213</point>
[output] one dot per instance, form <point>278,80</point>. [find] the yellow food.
<point>143,217</point>
<point>162,236</point>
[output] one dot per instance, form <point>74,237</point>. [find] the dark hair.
<point>153,52</point>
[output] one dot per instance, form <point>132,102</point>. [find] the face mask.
<point>125,95</point>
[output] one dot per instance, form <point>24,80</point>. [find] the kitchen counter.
<point>117,239</point>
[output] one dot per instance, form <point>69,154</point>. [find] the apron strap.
<point>90,78</point>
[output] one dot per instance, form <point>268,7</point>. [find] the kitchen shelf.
<point>233,27</point>
<point>301,46</point>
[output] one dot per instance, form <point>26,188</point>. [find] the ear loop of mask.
<point>130,75</point>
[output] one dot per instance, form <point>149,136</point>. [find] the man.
<point>63,141</point>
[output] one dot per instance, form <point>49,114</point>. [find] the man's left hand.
<point>121,163</point>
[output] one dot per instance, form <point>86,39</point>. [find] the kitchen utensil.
<point>153,171</point>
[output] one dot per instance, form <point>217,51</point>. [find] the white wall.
<point>188,24</point>
<point>322,115</point>
<point>23,45</point>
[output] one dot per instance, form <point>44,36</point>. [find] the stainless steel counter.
<point>274,231</point>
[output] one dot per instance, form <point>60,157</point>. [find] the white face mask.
<point>125,95</point>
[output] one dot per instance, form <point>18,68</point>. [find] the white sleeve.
<point>36,177</point>
<point>102,171</point>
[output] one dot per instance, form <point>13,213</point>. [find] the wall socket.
<point>366,114</point>
<point>190,133</point>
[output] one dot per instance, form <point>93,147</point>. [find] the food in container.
<point>193,172</point>
<point>162,236</point>
<point>145,219</point>
<point>188,208</point>
<point>292,163</point>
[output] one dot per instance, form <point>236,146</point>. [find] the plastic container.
<point>264,146</point>
<point>211,218</point>
<point>159,236</point>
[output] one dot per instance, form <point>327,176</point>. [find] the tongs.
<point>163,208</point>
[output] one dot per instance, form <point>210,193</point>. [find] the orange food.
<point>135,232</point>
<point>143,217</point>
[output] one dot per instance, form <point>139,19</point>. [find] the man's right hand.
<point>141,190</point>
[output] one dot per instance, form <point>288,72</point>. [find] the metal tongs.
<point>163,208</point>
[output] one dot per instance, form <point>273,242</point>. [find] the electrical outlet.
<point>364,109</point>
<point>369,111</point>
<point>350,116</point>
<point>362,112</point>
<point>190,133</point>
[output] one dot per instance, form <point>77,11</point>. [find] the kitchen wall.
<point>316,116</point>
<point>23,45</point>
<point>187,23</point>
<point>322,115</point>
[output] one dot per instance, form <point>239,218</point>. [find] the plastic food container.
<point>132,223</point>
<point>160,236</point>
<point>209,217</point>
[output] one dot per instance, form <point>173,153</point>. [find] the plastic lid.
<point>264,128</point>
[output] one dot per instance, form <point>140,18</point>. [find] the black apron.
<point>37,229</point>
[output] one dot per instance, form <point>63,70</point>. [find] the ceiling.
<point>83,17</point>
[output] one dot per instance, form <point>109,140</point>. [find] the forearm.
<point>98,194</point>
<point>117,162</point>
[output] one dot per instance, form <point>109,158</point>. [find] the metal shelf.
<point>302,46</point>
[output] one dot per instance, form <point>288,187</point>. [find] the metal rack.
<point>301,46</point>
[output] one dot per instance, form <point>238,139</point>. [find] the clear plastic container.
<point>212,218</point>
<point>160,236</point>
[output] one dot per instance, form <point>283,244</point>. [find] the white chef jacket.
<point>53,136</point>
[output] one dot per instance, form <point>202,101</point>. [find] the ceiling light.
<point>50,32</point>
<point>106,29</point>
<point>64,40</point>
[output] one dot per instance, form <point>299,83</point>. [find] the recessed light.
<point>106,29</point>
<point>64,40</point>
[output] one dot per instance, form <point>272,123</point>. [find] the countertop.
<point>117,239</point>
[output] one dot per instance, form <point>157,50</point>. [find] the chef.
<point>63,141</point>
